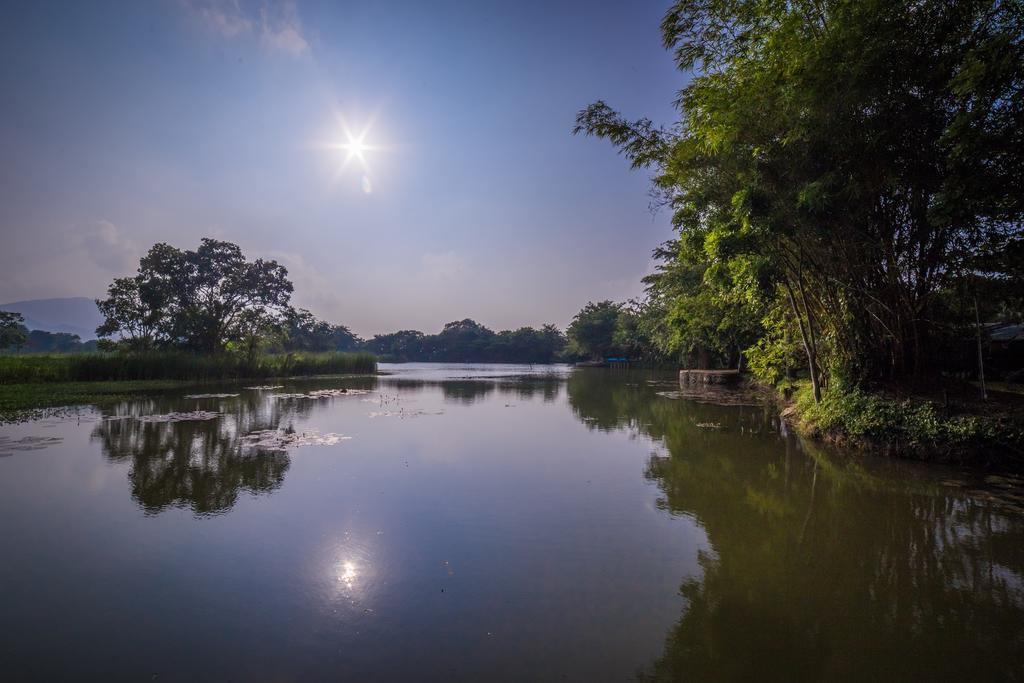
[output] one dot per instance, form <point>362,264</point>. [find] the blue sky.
<point>130,123</point>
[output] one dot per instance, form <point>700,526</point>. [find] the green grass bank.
<point>20,402</point>
<point>130,367</point>
<point>951,428</point>
<point>33,385</point>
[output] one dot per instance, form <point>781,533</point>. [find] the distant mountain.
<point>77,315</point>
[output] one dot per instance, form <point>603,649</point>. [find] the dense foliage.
<point>911,425</point>
<point>468,341</point>
<point>13,334</point>
<point>304,332</point>
<point>200,300</point>
<point>592,331</point>
<point>607,329</point>
<point>209,301</point>
<point>845,179</point>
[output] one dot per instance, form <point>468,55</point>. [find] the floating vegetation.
<point>192,416</point>
<point>717,395</point>
<point>275,440</point>
<point>709,425</point>
<point>211,396</point>
<point>27,443</point>
<point>402,413</point>
<point>327,393</point>
<point>322,393</point>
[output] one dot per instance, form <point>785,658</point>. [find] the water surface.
<point>469,522</point>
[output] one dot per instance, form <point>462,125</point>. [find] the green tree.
<point>592,331</point>
<point>12,331</point>
<point>60,342</point>
<point>404,345</point>
<point>710,312</point>
<point>135,310</point>
<point>462,341</point>
<point>526,345</point>
<point>549,343</point>
<point>199,300</point>
<point>304,332</point>
<point>632,333</point>
<point>867,151</point>
<point>469,341</point>
<point>257,331</point>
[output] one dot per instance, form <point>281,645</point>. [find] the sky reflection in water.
<point>490,525</point>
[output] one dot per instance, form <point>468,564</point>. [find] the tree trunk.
<point>809,347</point>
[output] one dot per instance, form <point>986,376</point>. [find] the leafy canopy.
<point>852,159</point>
<point>198,300</point>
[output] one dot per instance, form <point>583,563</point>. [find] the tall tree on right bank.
<point>868,151</point>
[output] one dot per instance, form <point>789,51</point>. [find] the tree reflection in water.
<point>203,465</point>
<point>822,567</point>
<point>200,465</point>
<point>469,391</point>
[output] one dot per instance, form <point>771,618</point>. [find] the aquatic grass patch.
<point>31,386</point>
<point>321,393</point>
<point>20,402</point>
<point>189,416</point>
<point>116,367</point>
<point>8,445</point>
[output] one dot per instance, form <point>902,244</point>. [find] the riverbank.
<point>172,365</point>
<point>29,401</point>
<point>32,385</point>
<point>952,426</point>
<point>20,402</point>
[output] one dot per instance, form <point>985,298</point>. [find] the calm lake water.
<point>477,523</point>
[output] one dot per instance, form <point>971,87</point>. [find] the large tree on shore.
<point>197,300</point>
<point>867,150</point>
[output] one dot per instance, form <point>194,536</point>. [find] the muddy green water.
<point>481,523</point>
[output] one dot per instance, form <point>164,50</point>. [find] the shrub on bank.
<point>95,367</point>
<point>874,419</point>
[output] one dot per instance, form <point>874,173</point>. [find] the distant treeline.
<point>469,341</point>
<point>213,302</point>
<point>14,335</point>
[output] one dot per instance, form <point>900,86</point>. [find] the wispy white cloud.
<point>275,24</point>
<point>224,17</point>
<point>280,28</point>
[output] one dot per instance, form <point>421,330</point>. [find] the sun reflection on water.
<point>348,573</point>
